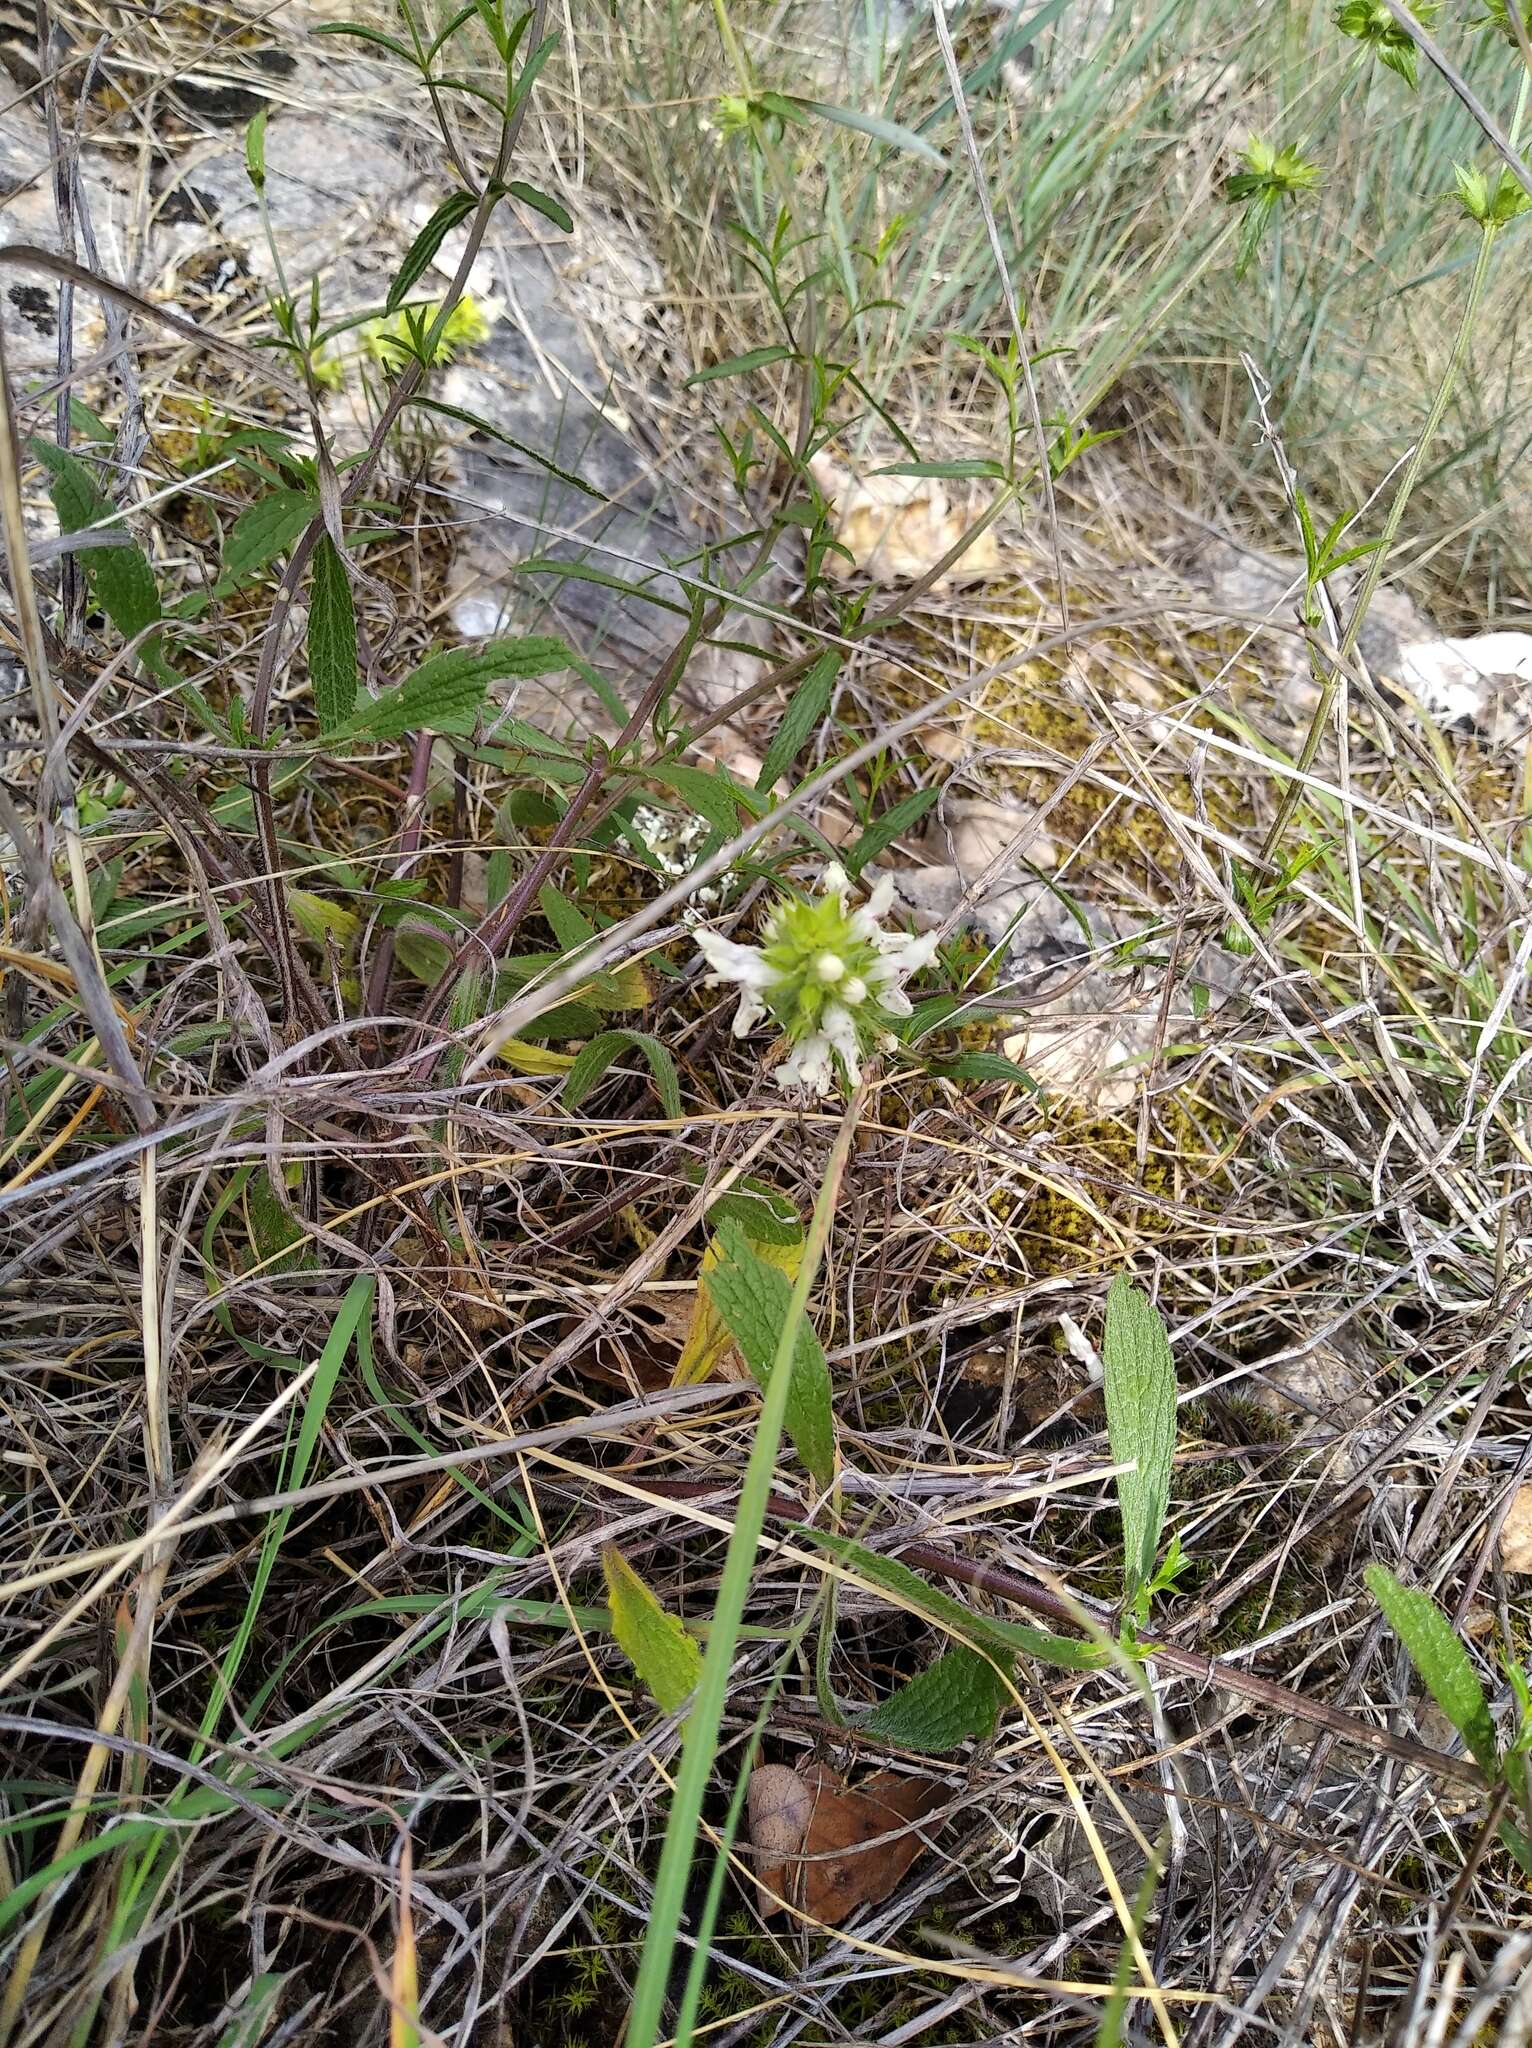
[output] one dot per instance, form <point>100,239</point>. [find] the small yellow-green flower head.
<point>391,341</point>
<point>828,975</point>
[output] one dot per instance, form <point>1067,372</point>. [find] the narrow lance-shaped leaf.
<point>593,1060</point>
<point>454,209</point>
<point>1141,1423</point>
<point>800,721</point>
<point>446,692</point>
<point>1443,1664</point>
<point>332,638</point>
<point>911,1590</point>
<point>665,1657</point>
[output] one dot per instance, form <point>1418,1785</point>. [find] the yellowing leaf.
<point>665,1657</point>
<point>708,1341</point>
<point>533,1059</point>
<point>319,919</point>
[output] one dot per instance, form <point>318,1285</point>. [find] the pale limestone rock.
<point>1516,1534</point>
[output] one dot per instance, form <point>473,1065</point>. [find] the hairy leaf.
<point>752,1296</point>
<point>593,1060</point>
<point>806,708</point>
<point>455,208</point>
<point>263,531</point>
<point>1003,1637</point>
<point>446,692</point>
<point>332,638</point>
<point>1443,1664</point>
<point>958,1699</point>
<point>1141,1423</point>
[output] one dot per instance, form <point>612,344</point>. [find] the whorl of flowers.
<point>827,974</point>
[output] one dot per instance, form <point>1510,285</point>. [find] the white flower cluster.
<point>827,974</point>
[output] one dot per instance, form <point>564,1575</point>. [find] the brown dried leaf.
<point>851,1822</point>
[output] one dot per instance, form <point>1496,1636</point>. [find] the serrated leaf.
<point>543,203</point>
<point>592,1061</point>
<point>665,1657</point>
<point>454,208</point>
<point>958,1699</point>
<point>263,531</point>
<point>1141,1423</point>
<point>740,366</point>
<point>753,1297</point>
<point>708,1340</point>
<point>1443,1665</point>
<point>893,824</point>
<point>806,708</point>
<point>1002,1637</point>
<point>446,692</point>
<point>331,639</point>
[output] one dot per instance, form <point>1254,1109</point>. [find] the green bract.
<point>1369,22</point>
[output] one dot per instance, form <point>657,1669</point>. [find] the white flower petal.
<point>881,901</point>
<point>834,881</point>
<point>732,962</point>
<point>905,954</point>
<point>808,1066</point>
<point>840,1030</point>
<point>751,1011</point>
<point>895,1001</point>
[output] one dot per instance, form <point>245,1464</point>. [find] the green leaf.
<point>1004,1638</point>
<point>1441,1662</point>
<point>740,366</point>
<point>257,2010</point>
<point>665,1657</point>
<point>875,126</point>
<point>332,638</point>
<point>592,1061</point>
<point>752,1297</point>
<point>543,203</point>
<point>978,467</point>
<point>569,925</point>
<point>711,792</point>
<point>1141,1423</point>
<point>120,579</point>
<point>957,1700</point>
<point>263,531</point>
<point>764,1216</point>
<point>982,1066</point>
<point>454,208</point>
<point>806,708</point>
<point>885,830</point>
<point>446,692</point>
